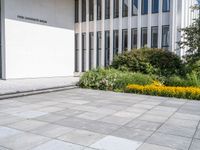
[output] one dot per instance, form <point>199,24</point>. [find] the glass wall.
<point>155,6</point>
<point>115,42</point>
<point>91,50</point>
<point>124,39</point>
<point>91,10</point>
<point>76,52</point>
<point>76,11</point>
<point>154,37</point>
<point>107,9</point>
<point>125,8</point>
<point>144,37</point>
<point>99,6</point>
<point>83,10</point>
<point>116,8</point>
<point>83,52</point>
<point>107,48</point>
<point>99,48</point>
<point>165,37</point>
<point>134,38</point>
<point>144,7</point>
<point>166,5</point>
<point>134,7</point>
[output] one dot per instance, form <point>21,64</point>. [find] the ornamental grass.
<point>157,89</point>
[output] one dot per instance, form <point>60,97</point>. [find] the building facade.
<point>104,28</point>
<point>49,38</point>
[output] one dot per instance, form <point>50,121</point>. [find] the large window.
<point>99,6</point>
<point>155,6</point>
<point>134,38</point>
<point>76,53</point>
<point>107,9</point>
<point>124,39</point>
<point>166,5</point>
<point>125,8</point>
<point>107,48</point>
<point>144,37</point>
<point>144,7</point>
<point>116,8</point>
<point>165,37</point>
<point>83,52</point>
<point>91,51</point>
<point>115,42</point>
<point>154,37</point>
<point>91,10</point>
<point>76,11</point>
<point>99,39</point>
<point>83,10</point>
<point>134,7</point>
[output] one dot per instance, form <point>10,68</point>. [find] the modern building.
<point>48,38</point>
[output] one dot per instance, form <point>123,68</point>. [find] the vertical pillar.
<point>87,35</point>
<point>103,34</point>
<point>160,24</point>
<point>172,24</point>
<point>111,31</point>
<point>139,24</point>
<point>120,27</point>
<point>129,23</point>
<point>95,34</point>
<point>149,23</point>
<point>80,36</point>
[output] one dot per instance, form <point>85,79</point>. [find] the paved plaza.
<point>81,119</point>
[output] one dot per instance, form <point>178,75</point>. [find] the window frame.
<point>107,48</point>
<point>123,40</point>
<point>143,11</point>
<point>167,10</point>
<point>91,10</point>
<point>142,43</point>
<point>152,46</point>
<point>76,69</point>
<point>115,49</point>
<point>91,49</point>
<point>133,4</point>
<point>132,38</point>
<point>155,11</point>
<point>124,10</point>
<point>107,9</point>
<point>76,11</point>
<point>99,9</point>
<point>83,52</point>
<point>116,9</point>
<point>165,46</point>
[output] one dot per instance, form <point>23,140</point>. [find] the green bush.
<point>112,79</point>
<point>150,61</point>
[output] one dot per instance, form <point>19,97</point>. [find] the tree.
<point>191,39</point>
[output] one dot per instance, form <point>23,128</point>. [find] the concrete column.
<point>103,34</point>
<point>149,23</point>
<point>111,31</point>
<point>95,34</point>
<point>120,26</point>
<point>172,24</point>
<point>129,23</point>
<point>139,24</point>
<point>160,24</point>
<point>87,35</point>
<point>80,36</point>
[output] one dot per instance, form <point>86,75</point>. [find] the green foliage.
<point>150,61</point>
<point>112,79</point>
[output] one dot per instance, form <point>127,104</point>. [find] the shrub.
<point>150,61</point>
<point>112,79</point>
<point>160,90</point>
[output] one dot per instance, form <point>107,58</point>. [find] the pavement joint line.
<point>194,135</point>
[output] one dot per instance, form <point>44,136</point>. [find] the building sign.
<point>31,19</point>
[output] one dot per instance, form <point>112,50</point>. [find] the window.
<point>99,48</point>
<point>83,52</point>
<point>144,37</point>
<point>91,10</point>
<point>134,7</point>
<point>144,7</point>
<point>99,6</point>
<point>165,37</point>
<point>125,8</point>
<point>116,8</point>
<point>91,51</point>
<point>166,5</point>
<point>154,37</point>
<point>124,39</point>
<point>76,10</point>
<point>134,38</point>
<point>83,10</point>
<point>107,48</point>
<point>155,6</point>
<point>115,42</point>
<point>107,9</point>
<point>76,53</point>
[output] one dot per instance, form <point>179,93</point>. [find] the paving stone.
<point>22,141</point>
<point>147,146</point>
<point>58,145</point>
<point>159,113</point>
<point>29,114</point>
<point>172,141</point>
<point>6,132</point>
<point>51,118</point>
<point>115,143</point>
<point>69,112</point>
<point>164,108</point>
<point>81,137</point>
<point>133,134</point>
<point>195,145</point>
<point>153,118</point>
<point>51,130</point>
<point>27,125</point>
<point>126,114</point>
<point>8,119</point>
<point>144,106</point>
<point>186,116</point>
<point>197,135</point>
<point>145,125</point>
<point>91,116</point>
<point>177,130</point>
<point>116,120</point>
